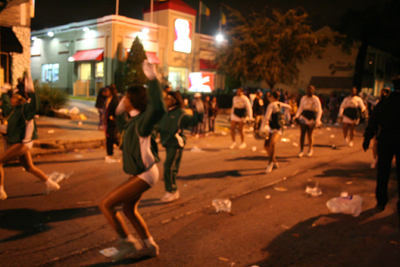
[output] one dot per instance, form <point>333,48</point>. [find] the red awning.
<point>152,58</point>
<point>85,55</point>
<point>208,65</point>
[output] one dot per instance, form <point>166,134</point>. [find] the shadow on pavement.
<point>31,222</point>
<point>337,240</point>
<point>219,174</point>
<point>78,160</point>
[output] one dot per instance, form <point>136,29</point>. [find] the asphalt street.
<point>273,221</point>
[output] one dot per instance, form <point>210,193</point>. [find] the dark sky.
<point>50,13</point>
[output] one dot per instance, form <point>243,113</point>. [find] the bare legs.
<point>233,132</point>
<point>306,129</point>
<point>351,127</point>
<point>270,148</point>
<point>128,194</point>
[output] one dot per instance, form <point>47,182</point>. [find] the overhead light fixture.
<point>85,29</point>
<point>51,34</point>
<point>33,38</point>
<point>219,38</point>
<point>145,30</point>
<point>71,59</point>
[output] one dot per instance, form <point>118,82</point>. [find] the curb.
<point>41,148</point>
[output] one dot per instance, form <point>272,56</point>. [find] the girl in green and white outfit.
<point>139,152</point>
<point>171,130</point>
<point>19,112</point>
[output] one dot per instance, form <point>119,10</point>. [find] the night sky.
<point>50,13</point>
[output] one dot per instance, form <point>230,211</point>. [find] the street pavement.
<point>273,221</point>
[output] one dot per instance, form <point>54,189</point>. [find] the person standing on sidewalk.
<point>100,100</point>
<point>272,124</point>
<point>110,122</point>
<point>241,108</point>
<point>258,110</point>
<point>384,123</point>
<point>171,129</point>
<point>145,107</point>
<point>349,111</point>
<point>309,114</point>
<point>197,106</point>
<point>19,112</point>
<point>213,114</point>
<point>206,116</point>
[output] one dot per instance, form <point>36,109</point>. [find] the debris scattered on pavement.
<point>285,226</point>
<point>59,176</point>
<point>347,204</point>
<point>254,148</point>
<point>63,110</point>
<point>284,178</point>
<point>315,191</point>
<point>109,252</point>
<point>263,151</point>
<point>222,205</point>
<point>295,144</point>
<point>223,133</point>
<point>349,182</point>
<point>333,146</point>
<point>223,259</point>
<point>296,235</point>
<point>50,131</point>
<point>196,149</point>
<point>280,189</point>
<point>79,156</point>
<point>332,136</point>
<point>328,128</point>
<point>74,111</point>
<point>285,140</point>
<point>80,123</point>
<point>83,117</point>
<point>268,197</point>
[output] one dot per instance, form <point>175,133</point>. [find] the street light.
<point>219,38</point>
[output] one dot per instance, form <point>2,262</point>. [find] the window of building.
<point>50,73</point>
<point>84,71</point>
<point>178,78</point>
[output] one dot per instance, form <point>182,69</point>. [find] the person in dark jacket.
<point>110,122</point>
<point>99,105</point>
<point>171,129</point>
<point>258,110</point>
<point>18,114</point>
<point>385,124</point>
<point>213,113</point>
<point>139,149</point>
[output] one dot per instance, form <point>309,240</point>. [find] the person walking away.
<point>272,125</point>
<point>384,93</point>
<point>213,114</point>
<point>99,105</point>
<point>293,104</point>
<point>384,123</point>
<point>240,109</point>
<point>258,110</point>
<point>19,112</point>
<point>309,114</point>
<point>349,111</point>
<point>172,137</point>
<point>110,122</point>
<point>145,107</point>
<point>197,106</point>
<point>333,107</point>
<point>206,116</point>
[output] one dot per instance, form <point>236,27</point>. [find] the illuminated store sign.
<point>201,82</point>
<point>183,35</point>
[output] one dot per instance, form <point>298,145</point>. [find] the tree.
<point>269,47</point>
<point>133,70</point>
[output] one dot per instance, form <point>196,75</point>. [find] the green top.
<point>18,117</point>
<point>171,133</point>
<point>139,149</point>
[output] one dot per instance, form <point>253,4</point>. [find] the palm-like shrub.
<point>50,99</point>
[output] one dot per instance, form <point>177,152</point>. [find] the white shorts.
<point>150,176</point>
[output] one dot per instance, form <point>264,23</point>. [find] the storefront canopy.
<point>152,58</point>
<point>208,65</point>
<point>9,42</point>
<point>89,55</point>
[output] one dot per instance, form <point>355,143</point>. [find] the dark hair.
<point>113,89</point>
<point>177,96</point>
<point>276,94</point>
<point>137,96</point>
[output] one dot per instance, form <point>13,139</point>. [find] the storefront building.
<point>82,57</point>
